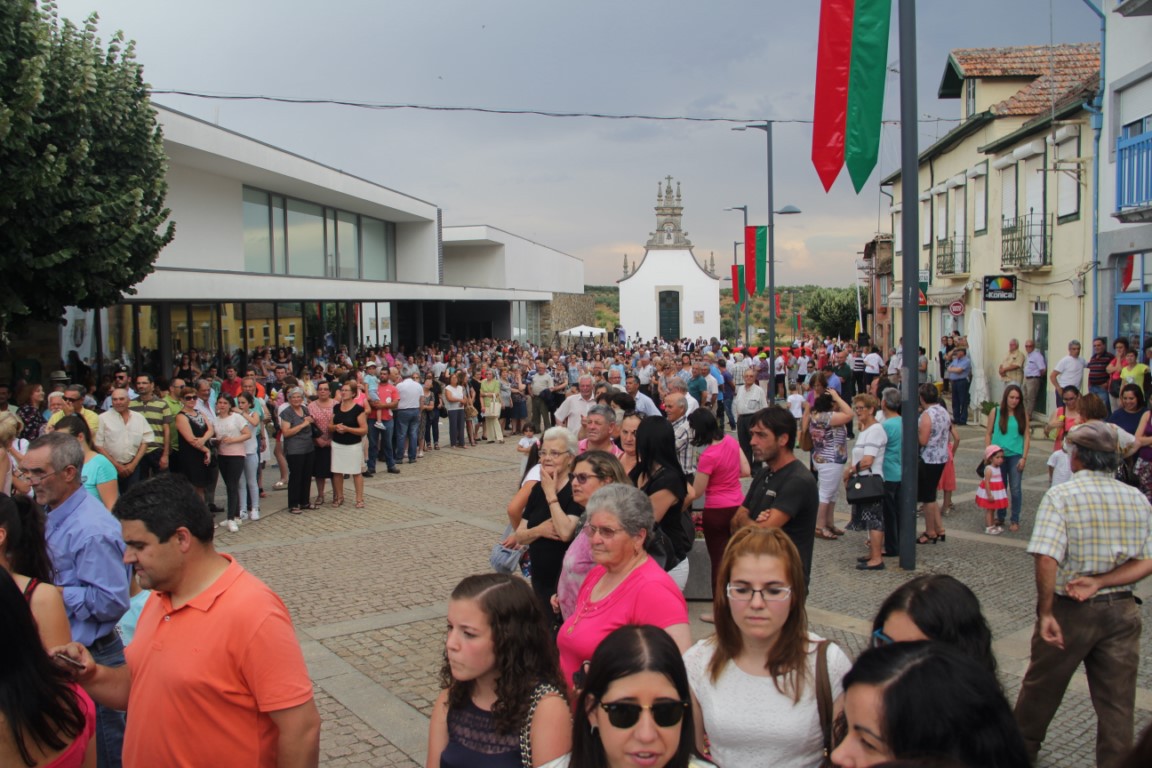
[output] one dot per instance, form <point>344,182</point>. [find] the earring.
<point>594,728</point>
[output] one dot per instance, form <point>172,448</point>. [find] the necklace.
<point>587,607</point>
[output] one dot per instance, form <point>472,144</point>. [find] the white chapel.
<point>669,294</point>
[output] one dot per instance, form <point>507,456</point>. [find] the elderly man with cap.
<point>1092,542</point>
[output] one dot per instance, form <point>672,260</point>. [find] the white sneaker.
<point>243,514</point>
<point>254,515</point>
<point>233,526</point>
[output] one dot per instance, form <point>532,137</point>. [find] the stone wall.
<point>566,310</point>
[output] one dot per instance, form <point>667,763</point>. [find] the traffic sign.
<point>956,308</point>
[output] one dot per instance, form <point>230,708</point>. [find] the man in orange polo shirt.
<point>215,675</point>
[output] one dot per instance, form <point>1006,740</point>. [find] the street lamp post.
<point>744,210</point>
<point>766,126</point>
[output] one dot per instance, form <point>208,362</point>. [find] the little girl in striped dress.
<point>992,495</point>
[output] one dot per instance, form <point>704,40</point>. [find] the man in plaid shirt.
<point>1092,541</point>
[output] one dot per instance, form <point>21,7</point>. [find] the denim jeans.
<point>960,401</point>
<point>727,403</point>
<point>251,500</point>
<point>380,443</point>
<point>1013,477</point>
<point>457,429</point>
<point>109,722</point>
<point>407,430</point>
<point>1102,393</point>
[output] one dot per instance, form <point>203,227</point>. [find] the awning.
<point>938,296</point>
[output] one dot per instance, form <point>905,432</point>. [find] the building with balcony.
<point>1007,192</point>
<point>1124,282</point>
<point>276,250</point>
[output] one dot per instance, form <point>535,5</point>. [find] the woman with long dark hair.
<point>500,673</point>
<point>926,700</point>
<point>938,607</point>
<point>1009,428</point>
<point>45,719</point>
<point>24,556</point>
<point>658,474</point>
<point>635,701</point>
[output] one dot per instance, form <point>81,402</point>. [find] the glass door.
<point>1040,336</point>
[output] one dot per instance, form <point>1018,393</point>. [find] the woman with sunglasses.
<point>935,607</point>
<point>500,679</point>
<point>754,681</point>
<point>591,471</point>
<point>1066,416</point>
<point>868,458</point>
<point>928,701</point>
<point>634,708</point>
<point>626,586</point>
<point>552,495</point>
<point>194,454</point>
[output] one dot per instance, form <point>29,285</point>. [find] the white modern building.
<point>275,249</point>
<point>669,294</point>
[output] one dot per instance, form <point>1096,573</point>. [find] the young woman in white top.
<point>754,681</point>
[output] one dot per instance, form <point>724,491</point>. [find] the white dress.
<point>749,722</point>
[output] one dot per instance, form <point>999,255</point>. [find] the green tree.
<point>833,311</point>
<point>82,166</point>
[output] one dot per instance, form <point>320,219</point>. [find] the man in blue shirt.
<point>958,373</point>
<point>87,550</point>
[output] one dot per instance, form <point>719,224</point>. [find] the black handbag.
<point>865,489</point>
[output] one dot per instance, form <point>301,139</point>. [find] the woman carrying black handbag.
<point>864,479</point>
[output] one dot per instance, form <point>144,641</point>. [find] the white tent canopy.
<point>584,330</point>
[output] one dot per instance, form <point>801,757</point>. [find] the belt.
<point>1033,377</point>
<point>101,643</point>
<point>1108,597</point>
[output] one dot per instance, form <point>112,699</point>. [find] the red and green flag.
<point>851,68</point>
<point>755,259</point>
<point>739,298</point>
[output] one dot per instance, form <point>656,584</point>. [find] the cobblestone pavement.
<point>368,590</point>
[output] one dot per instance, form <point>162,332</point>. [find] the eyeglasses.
<point>771,593</point>
<point>189,397</point>
<point>34,476</point>
<point>879,639</point>
<point>583,477</point>
<point>1070,398</point>
<point>664,713</point>
<point>602,531</point>
<point>552,454</point>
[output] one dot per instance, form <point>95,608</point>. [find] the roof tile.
<point>1061,72</point>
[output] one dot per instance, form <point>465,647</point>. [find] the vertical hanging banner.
<point>738,286</point>
<point>833,63</point>
<point>861,99</point>
<point>756,259</point>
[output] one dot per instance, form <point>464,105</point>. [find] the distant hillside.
<point>607,305</point>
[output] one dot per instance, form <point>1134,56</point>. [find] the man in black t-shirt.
<point>784,493</point>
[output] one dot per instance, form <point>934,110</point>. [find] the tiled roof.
<point>1061,72</point>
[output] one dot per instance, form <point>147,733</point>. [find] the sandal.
<point>824,533</point>
<point>926,539</point>
<point>279,485</point>
<point>337,501</point>
<point>1014,527</point>
<point>319,499</point>
<point>312,506</point>
<point>295,511</point>
<point>360,504</point>
<point>836,531</point>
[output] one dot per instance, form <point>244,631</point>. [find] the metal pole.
<point>909,192</point>
<point>747,327</point>
<point>771,270</point>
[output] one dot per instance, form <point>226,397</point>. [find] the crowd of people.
<point>589,661</point>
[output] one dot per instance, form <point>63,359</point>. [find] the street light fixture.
<point>744,210</point>
<point>766,126</point>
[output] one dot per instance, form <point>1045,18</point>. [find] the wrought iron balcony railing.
<point>1026,242</point>
<point>952,256</point>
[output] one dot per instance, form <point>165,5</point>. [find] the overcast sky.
<point>584,186</point>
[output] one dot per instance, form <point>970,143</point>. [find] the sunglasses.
<point>664,713</point>
<point>583,477</point>
<point>189,397</point>
<point>879,639</point>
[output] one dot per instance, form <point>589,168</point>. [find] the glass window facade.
<point>286,236</point>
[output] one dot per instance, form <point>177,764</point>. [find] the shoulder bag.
<point>505,559</point>
<point>864,489</point>
<point>824,703</point>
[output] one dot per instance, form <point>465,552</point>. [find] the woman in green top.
<point>98,475</point>
<point>1008,428</point>
<point>490,403</point>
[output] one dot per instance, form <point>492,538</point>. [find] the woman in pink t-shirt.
<point>718,472</point>
<point>626,586</point>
